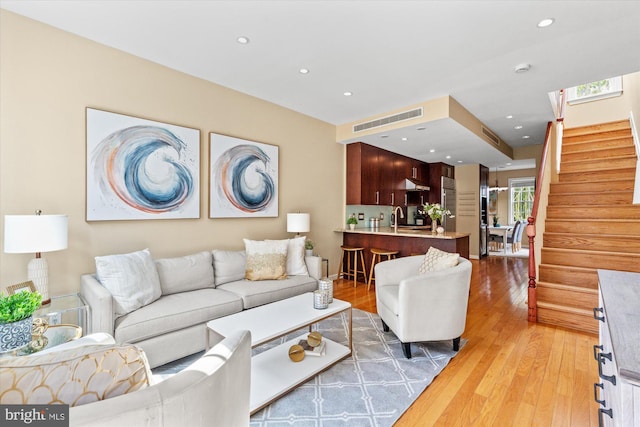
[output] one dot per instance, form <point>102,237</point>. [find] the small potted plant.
<point>496,222</point>
<point>352,221</point>
<point>16,318</point>
<point>308,246</point>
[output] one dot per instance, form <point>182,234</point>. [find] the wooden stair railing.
<point>531,231</point>
<point>531,221</point>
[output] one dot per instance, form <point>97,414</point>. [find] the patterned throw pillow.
<point>296,265</point>
<point>266,260</point>
<point>436,259</point>
<point>74,376</point>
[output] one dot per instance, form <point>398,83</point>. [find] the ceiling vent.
<point>492,136</point>
<point>400,117</point>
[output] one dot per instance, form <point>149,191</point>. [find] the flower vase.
<point>434,226</point>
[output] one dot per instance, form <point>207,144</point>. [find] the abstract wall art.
<point>140,169</point>
<point>244,178</point>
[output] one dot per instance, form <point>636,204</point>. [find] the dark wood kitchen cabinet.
<point>377,177</point>
<point>436,172</point>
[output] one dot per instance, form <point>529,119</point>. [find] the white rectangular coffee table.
<point>273,374</point>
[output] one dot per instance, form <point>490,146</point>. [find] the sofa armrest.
<point>100,303</point>
<point>314,266</point>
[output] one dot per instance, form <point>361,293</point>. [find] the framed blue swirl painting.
<point>244,178</point>
<point>141,169</point>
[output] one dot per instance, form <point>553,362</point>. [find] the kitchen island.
<point>408,241</point>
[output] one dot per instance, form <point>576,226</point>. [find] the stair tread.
<point>566,308</point>
<point>572,288</point>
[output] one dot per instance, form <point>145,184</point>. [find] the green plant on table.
<point>18,306</point>
<point>352,220</point>
<point>308,244</point>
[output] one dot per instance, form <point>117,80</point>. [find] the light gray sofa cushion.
<point>228,266</point>
<point>254,294</point>
<point>186,273</point>
<point>174,312</point>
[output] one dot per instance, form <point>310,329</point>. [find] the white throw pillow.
<point>266,260</point>
<point>435,260</point>
<point>296,266</point>
<point>186,273</point>
<point>228,266</point>
<point>131,278</point>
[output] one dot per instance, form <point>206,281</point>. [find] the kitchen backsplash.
<point>369,211</point>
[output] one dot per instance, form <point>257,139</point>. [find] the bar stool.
<point>379,253</point>
<point>348,250</point>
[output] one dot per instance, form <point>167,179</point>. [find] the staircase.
<point>591,223</point>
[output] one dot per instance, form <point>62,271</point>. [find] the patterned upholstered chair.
<point>109,384</point>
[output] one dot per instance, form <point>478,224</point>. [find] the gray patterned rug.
<point>373,388</point>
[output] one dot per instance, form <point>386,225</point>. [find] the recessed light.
<point>546,22</point>
<point>518,127</point>
<point>404,138</point>
<point>522,68</point>
<point>447,157</point>
<point>459,161</point>
<point>525,136</point>
<point>509,116</point>
<point>347,93</point>
<point>304,71</point>
<point>432,150</point>
<point>243,40</point>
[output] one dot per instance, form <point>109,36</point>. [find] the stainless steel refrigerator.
<point>448,201</point>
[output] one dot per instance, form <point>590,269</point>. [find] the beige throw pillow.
<point>266,260</point>
<point>435,260</point>
<point>296,265</point>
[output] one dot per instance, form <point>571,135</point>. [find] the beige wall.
<point>607,110</point>
<point>468,205</point>
<point>48,78</point>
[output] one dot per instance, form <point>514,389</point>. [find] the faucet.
<point>395,212</point>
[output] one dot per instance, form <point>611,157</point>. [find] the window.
<point>601,89</point>
<point>521,194</point>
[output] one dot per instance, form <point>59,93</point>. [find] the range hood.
<point>415,185</point>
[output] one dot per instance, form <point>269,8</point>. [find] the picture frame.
<point>243,178</point>
<point>140,169</point>
<point>21,287</point>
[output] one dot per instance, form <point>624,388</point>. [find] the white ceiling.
<point>390,54</point>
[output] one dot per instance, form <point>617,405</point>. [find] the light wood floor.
<point>510,372</point>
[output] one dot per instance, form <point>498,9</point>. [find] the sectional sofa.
<point>163,305</point>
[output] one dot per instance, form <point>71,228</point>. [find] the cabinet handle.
<point>597,347</point>
<point>377,197</point>
<point>595,393</point>
<point>595,314</point>
<point>393,199</point>
<point>601,361</point>
<point>604,411</point>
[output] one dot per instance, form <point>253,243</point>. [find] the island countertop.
<point>406,241</point>
<point>404,232</point>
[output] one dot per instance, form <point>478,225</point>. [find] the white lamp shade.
<point>35,233</point>
<point>298,222</point>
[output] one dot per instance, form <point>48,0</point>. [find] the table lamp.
<point>36,234</point>
<point>298,223</point>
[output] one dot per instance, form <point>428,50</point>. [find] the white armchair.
<point>422,307</point>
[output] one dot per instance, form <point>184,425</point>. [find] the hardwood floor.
<point>510,372</point>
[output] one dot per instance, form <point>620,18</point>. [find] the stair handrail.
<point>531,230</point>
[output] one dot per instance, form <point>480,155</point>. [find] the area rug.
<point>372,388</point>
